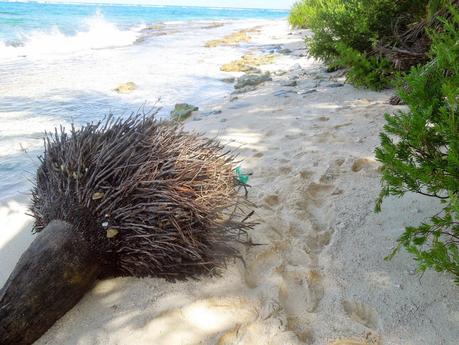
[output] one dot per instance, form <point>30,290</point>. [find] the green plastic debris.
<point>241,176</point>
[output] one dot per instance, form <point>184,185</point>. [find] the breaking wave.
<point>96,33</point>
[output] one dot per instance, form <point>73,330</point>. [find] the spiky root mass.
<point>149,198</point>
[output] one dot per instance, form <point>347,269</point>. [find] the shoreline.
<point>319,278</point>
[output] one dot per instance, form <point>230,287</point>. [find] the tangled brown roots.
<point>151,199</point>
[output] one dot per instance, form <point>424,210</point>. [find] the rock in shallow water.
<point>182,111</point>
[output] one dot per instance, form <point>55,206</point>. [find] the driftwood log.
<point>133,197</point>
<point>50,278</point>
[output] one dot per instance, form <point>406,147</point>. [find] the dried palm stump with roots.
<point>134,197</point>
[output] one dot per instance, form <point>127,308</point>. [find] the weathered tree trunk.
<point>50,278</point>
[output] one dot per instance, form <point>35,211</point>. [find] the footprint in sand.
<point>317,241</point>
<point>301,330</point>
<point>325,137</point>
<point>271,200</point>
<point>285,170</point>
<point>361,313</point>
<point>333,171</point>
<point>318,192</point>
<point>259,268</point>
<point>306,174</point>
<point>316,195</point>
<point>203,317</point>
<point>302,286</point>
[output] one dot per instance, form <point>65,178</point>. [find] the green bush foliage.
<point>373,72</point>
<point>420,150</point>
<point>346,32</point>
<point>299,15</point>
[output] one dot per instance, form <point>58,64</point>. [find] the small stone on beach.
<point>182,111</point>
<point>126,87</point>
<point>252,80</point>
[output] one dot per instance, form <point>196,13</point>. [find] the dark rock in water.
<point>126,87</point>
<point>182,111</point>
<point>252,80</point>
<point>233,98</point>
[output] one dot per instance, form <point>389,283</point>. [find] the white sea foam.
<point>96,33</point>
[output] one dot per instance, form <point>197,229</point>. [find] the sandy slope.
<point>319,276</point>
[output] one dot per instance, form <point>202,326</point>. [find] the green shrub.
<point>373,72</point>
<point>299,15</point>
<point>347,31</point>
<point>420,151</point>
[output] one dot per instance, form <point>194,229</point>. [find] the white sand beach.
<point>317,275</point>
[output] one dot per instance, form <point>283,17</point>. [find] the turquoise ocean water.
<point>19,18</point>
<point>61,63</point>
